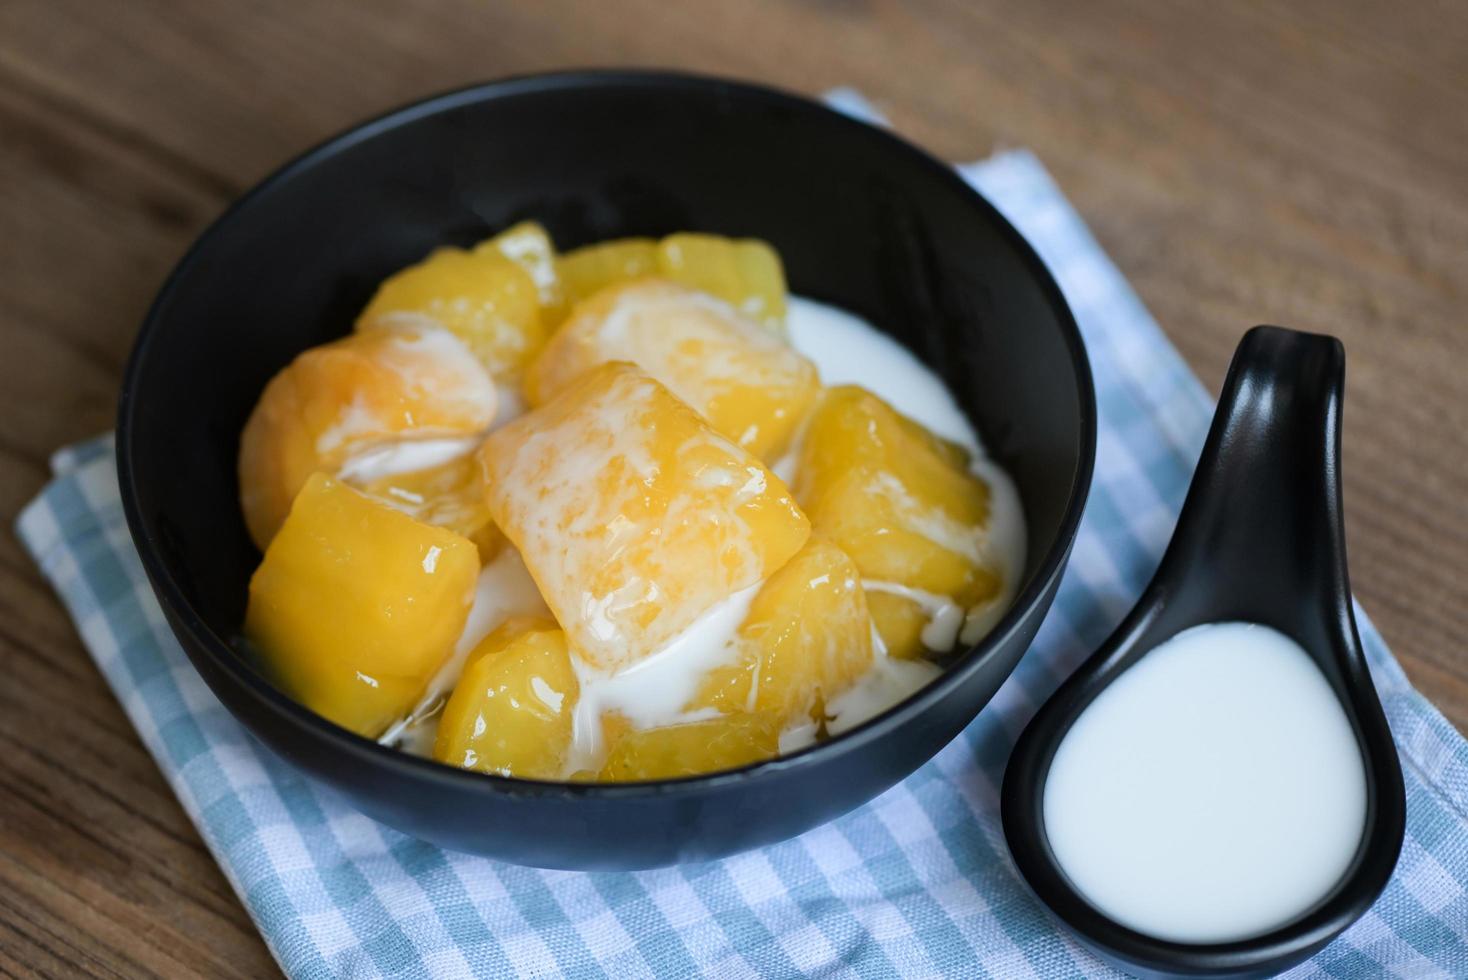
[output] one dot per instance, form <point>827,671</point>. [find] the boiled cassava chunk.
<point>591,268</point>
<point>357,605</point>
<point>529,247</point>
<point>340,400</point>
<point>450,494</point>
<point>744,272</point>
<point>750,385</point>
<point>691,748</point>
<point>899,622</point>
<point>511,710</point>
<point>486,299</point>
<point>807,637</point>
<point>633,516</point>
<point>900,502</point>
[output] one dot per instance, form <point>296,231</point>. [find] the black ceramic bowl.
<point>861,219</point>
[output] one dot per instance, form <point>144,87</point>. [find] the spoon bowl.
<point>1260,540</point>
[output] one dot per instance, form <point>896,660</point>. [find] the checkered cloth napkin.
<point>916,883</point>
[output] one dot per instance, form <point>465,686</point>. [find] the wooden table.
<point>1299,166</point>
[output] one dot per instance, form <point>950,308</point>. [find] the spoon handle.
<point>1263,515</point>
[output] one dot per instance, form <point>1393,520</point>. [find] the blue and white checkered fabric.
<point>916,883</point>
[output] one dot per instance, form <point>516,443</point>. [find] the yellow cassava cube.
<point>487,300</point>
<point>449,495</point>
<point>806,638</point>
<point>897,499</point>
<point>750,385</point>
<point>356,605</point>
<point>899,622</point>
<point>591,268</point>
<point>692,748</point>
<point>746,273</point>
<point>633,516</point>
<point>511,711</point>
<point>348,397</point>
<point>530,247</point>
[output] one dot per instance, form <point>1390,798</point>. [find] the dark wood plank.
<point>1304,164</point>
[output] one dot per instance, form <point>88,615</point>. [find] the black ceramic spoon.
<point>1261,540</point>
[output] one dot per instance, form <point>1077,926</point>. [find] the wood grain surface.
<point>1303,164</point>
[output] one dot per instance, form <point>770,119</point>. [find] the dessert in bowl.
<point>556,504</point>
<point>601,516</point>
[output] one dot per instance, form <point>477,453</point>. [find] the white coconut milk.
<point>1213,792</point>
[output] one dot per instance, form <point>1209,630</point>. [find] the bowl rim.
<point>370,752</point>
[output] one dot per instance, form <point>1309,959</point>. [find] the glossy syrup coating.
<point>692,748</point>
<point>589,269</point>
<point>529,246</point>
<point>900,622</point>
<point>634,516</point>
<point>449,495</point>
<point>807,637</point>
<point>339,400</point>
<point>750,385</point>
<point>486,299</point>
<point>511,712</point>
<point>901,502</point>
<point>356,605</point>
<point>746,273</point>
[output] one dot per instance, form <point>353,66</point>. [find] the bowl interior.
<point>861,220</point>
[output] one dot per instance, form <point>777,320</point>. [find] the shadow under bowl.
<point>861,219</point>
